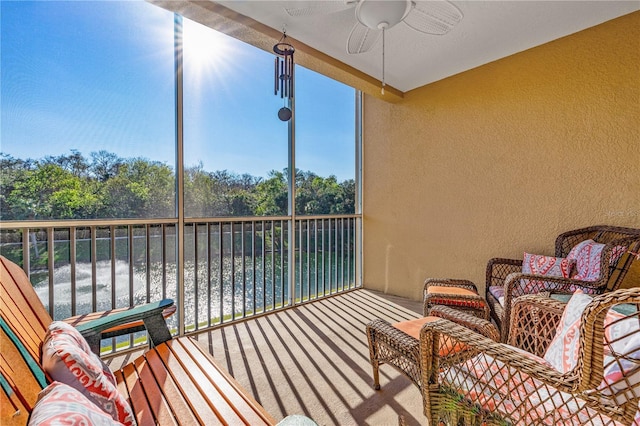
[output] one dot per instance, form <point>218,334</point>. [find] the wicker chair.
<point>496,383</point>
<point>507,272</point>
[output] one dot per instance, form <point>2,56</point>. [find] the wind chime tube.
<point>281,80</point>
<point>291,78</point>
<point>275,78</point>
<point>286,74</point>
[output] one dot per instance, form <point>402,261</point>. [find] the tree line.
<point>105,185</point>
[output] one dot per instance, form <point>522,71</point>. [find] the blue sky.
<point>99,75</point>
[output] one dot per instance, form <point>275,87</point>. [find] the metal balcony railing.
<point>233,268</point>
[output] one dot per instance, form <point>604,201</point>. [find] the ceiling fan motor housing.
<point>378,15</point>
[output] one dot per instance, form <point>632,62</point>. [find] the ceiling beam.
<point>248,30</point>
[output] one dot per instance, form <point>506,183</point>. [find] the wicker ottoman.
<point>399,344</point>
<point>459,294</point>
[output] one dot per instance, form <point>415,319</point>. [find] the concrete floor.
<point>314,360</point>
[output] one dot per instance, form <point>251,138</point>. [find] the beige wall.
<point>502,158</point>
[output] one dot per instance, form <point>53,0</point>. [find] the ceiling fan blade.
<point>320,7</point>
<point>433,17</point>
<point>362,39</point>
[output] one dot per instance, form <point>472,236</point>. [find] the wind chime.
<point>283,74</point>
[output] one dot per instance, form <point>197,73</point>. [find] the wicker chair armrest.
<point>514,288</point>
<point>391,334</point>
<point>472,322</point>
<point>432,334</point>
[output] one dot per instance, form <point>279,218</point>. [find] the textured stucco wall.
<point>502,158</point>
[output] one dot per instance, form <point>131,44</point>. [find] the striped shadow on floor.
<point>314,360</point>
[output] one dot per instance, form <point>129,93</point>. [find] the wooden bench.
<point>174,382</point>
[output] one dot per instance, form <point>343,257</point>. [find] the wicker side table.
<point>459,294</point>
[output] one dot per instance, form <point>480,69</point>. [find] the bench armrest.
<point>151,314</point>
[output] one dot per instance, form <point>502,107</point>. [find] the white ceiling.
<point>489,30</point>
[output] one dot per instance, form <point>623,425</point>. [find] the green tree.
<point>69,187</point>
<point>74,163</point>
<point>104,165</point>
<point>141,188</point>
<point>200,193</point>
<point>272,195</point>
<point>12,171</point>
<point>318,195</point>
<point>51,192</point>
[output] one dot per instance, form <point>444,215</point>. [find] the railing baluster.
<point>130,230</point>
<point>209,262</point>
<point>350,227</point>
<point>50,262</point>
<point>308,257</point>
<point>26,252</point>
<point>342,254</point>
<point>94,268</point>
<point>233,271</point>
<point>112,248</point>
<point>324,275</point>
<point>72,262</point>
<point>263,266</point>
<point>148,260</point>
<point>244,274</point>
<point>330,256</point>
<point>273,266</point>
<point>253,266</point>
<point>164,259</point>
<point>221,269</point>
<point>337,266</point>
<point>196,282</point>
<point>283,281</point>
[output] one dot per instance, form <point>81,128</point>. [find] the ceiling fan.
<point>374,17</point>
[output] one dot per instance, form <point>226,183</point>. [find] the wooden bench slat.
<point>128,383</point>
<point>190,375</point>
<point>251,412</point>
<point>155,397</point>
<point>17,373</point>
<point>170,389</point>
<point>12,409</point>
<point>19,315</point>
<point>13,278</point>
<point>28,336</point>
<point>197,400</point>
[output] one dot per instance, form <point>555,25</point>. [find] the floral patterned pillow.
<point>621,336</point>
<point>621,372</point>
<point>67,358</point>
<point>548,266</point>
<point>538,264</point>
<point>562,352</point>
<point>60,404</point>
<point>588,256</point>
